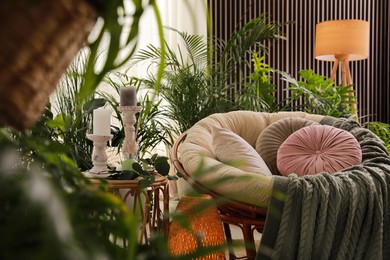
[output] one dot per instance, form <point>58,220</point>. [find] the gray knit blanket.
<point>340,216</point>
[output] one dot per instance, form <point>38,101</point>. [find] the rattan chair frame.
<point>248,218</point>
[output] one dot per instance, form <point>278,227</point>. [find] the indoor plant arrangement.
<point>48,209</point>
<point>320,95</point>
<point>143,170</point>
<point>73,116</point>
<point>153,126</point>
<point>202,84</point>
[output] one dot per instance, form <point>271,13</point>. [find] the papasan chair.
<point>336,209</point>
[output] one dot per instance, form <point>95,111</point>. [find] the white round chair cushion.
<point>197,156</point>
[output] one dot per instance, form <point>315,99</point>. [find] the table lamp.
<point>342,41</point>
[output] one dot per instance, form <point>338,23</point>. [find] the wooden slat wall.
<point>371,77</point>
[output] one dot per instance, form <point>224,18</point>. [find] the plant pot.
<point>39,40</point>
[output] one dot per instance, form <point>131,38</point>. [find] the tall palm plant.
<point>153,127</point>
<point>257,94</point>
<point>74,115</point>
<point>198,76</point>
<point>186,85</point>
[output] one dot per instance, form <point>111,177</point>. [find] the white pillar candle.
<point>101,121</point>
<point>128,96</point>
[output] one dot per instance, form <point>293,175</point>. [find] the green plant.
<point>48,209</point>
<point>258,93</point>
<point>185,84</point>
<point>152,127</point>
<point>382,130</point>
<point>190,98</point>
<point>74,116</point>
<point>147,168</point>
<point>319,95</point>
<point>195,84</point>
<point>113,27</point>
<point>233,54</point>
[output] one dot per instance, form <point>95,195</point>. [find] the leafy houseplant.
<point>40,182</point>
<point>195,84</point>
<point>258,93</point>
<point>144,170</point>
<point>319,95</point>
<point>74,116</point>
<point>113,13</point>
<point>185,82</point>
<point>382,130</point>
<point>152,127</point>
<point>48,209</point>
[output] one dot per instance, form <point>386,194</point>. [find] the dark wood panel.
<point>371,77</point>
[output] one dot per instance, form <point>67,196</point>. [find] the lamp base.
<point>346,79</point>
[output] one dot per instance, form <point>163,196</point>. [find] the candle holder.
<point>129,148</point>
<point>99,156</point>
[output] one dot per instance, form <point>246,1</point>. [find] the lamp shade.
<point>339,38</point>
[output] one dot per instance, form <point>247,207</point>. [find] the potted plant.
<point>153,126</point>
<point>320,94</point>
<point>200,85</point>
<point>73,116</point>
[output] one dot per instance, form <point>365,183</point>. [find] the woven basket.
<point>204,223</point>
<point>39,40</point>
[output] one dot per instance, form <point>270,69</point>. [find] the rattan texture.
<point>247,217</point>
<point>205,227</point>
<point>39,41</point>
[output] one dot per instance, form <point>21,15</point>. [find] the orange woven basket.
<point>205,223</point>
<point>39,40</point>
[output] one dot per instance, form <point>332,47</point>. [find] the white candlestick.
<point>128,96</point>
<point>129,148</point>
<point>99,156</point>
<point>101,121</point>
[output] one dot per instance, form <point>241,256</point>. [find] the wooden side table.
<point>154,218</point>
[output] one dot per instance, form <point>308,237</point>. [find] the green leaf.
<point>94,104</point>
<point>138,168</point>
<point>162,167</point>
<point>146,181</point>
<point>127,175</point>
<point>128,164</point>
<point>57,122</point>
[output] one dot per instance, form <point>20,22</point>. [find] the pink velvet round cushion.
<point>318,148</point>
